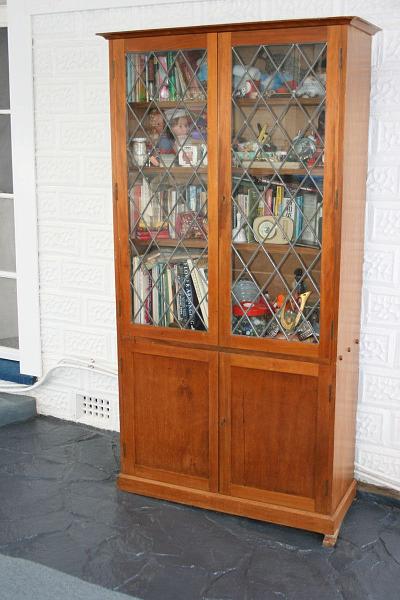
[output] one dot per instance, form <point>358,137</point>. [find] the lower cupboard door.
<point>169,418</point>
<point>268,429</point>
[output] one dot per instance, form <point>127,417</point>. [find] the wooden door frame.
<point>118,50</point>
<point>324,426</point>
<point>127,405</point>
<point>323,351</point>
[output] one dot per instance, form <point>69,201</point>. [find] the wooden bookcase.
<point>239,169</point>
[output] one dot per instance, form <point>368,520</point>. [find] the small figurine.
<point>155,126</point>
<point>279,83</point>
<point>246,81</point>
<point>312,87</point>
<point>179,124</point>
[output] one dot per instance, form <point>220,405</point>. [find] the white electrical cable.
<point>63,363</point>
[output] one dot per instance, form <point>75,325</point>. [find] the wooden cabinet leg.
<point>329,541</point>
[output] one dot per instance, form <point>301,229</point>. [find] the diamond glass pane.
<point>278,137</point>
<point>167,187</point>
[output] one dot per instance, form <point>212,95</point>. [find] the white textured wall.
<point>74,199</point>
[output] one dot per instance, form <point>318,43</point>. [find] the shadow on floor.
<point>59,506</point>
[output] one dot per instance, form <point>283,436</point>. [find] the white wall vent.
<point>94,410</point>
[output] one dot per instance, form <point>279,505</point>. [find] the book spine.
<point>171,76</point>
<point>187,284</point>
<point>299,216</point>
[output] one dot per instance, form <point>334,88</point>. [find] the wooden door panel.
<point>173,433</point>
<point>270,436</point>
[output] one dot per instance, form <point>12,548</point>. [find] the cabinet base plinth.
<point>281,515</point>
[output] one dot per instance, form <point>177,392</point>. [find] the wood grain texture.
<point>281,515</point>
<point>267,451</point>
<point>294,23</point>
<point>173,407</point>
<point>354,155</point>
<point>254,427</point>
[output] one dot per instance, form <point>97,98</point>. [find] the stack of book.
<point>171,289</point>
<point>167,212</point>
<point>304,209</point>
<point>166,76</point>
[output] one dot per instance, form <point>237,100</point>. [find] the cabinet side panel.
<point>355,153</point>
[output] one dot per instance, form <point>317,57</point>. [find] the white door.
<point>9,344</point>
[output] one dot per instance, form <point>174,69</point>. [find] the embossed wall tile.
<point>84,276</point>
<point>56,98</point>
<point>380,461</point>
<point>81,135</point>
<point>56,239</point>
<point>51,338</point>
<point>76,59</point>
<point>46,134</point>
<point>391,48</point>
<point>101,382</point>
<point>369,426</point>
<point>96,98</point>
<point>379,265</point>
<point>64,307</point>
<point>48,205</point>
<point>84,205</point>
<point>100,243</point>
<point>54,24</point>
<point>57,402</point>
<point>85,344</point>
<point>382,309</point>
<point>380,390</point>
<point>375,348</point>
<point>100,313</point>
<point>49,274</point>
<point>97,170</point>
<point>385,89</point>
<point>57,170</point>
<point>395,431</point>
<point>387,136</point>
<point>43,61</point>
<point>383,181</point>
<point>384,221</point>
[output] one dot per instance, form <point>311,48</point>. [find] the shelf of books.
<point>278,127</point>
<point>167,180</point>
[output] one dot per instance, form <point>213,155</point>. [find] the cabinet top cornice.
<point>284,24</point>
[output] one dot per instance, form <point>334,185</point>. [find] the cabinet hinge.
<point>332,329</point>
<point>112,69</point>
<point>119,308</point>
<point>340,58</point>
<point>326,487</point>
<point>330,392</point>
<point>336,198</point>
<point>120,364</point>
<point>115,191</point>
<point>123,449</point>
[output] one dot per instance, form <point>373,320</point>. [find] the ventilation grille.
<point>93,409</point>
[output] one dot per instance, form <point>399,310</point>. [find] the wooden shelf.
<point>173,170</point>
<point>188,243</point>
<point>278,100</point>
<point>190,104</point>
<point>276,248</point>
<point>259,171</point>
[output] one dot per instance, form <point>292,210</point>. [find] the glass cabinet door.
<point>166,99</point>
<point>277,150</point>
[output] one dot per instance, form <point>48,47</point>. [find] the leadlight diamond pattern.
<point>278,134</point>
<point>166,94</point>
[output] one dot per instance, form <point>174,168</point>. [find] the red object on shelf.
<point>251,309</point>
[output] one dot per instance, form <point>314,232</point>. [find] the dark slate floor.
<point>59,506</point>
